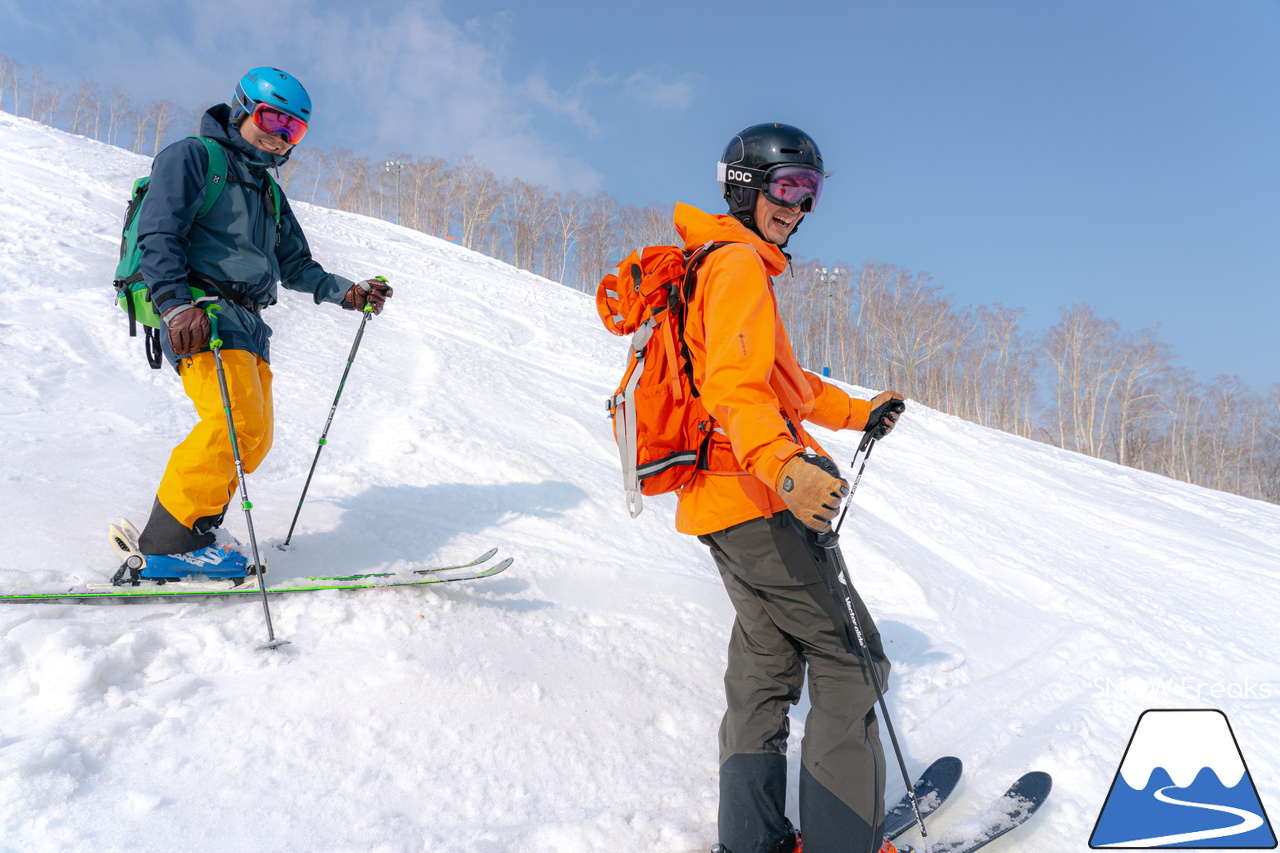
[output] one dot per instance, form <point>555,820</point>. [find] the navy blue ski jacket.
<point>236,243</point>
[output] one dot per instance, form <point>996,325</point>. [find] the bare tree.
<point>569,209</point>
<point>1184,408</point>
<point>55,95</point>
<point>141,120</point>
<point>9,82</point>
<point>597,237</point>
<point>164,114</point>
<point>119,108</point>
<point>1081,350</point>
<point>651,225</point>
<point>35,110</point>
<point>428,196</point>
<point>479,193</point>
<point>1143,363</point>
<point>85,103</point>
<point>1225,396</point>
<point>526,218</point>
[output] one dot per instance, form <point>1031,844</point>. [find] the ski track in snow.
<point>1029,597</point>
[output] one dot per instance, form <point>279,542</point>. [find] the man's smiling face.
<point>774,221</point>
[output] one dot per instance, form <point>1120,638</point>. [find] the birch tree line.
<point>1084,385</point>
<point>565,236</point>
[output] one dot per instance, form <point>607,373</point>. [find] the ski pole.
<point>215,344</point>
<point>351,357</point>
<point>864,448</point>
<point>829,543</point>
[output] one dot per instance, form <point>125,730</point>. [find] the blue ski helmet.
<point>274,87</point>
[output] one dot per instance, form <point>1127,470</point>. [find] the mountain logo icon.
<point>1183,783</point>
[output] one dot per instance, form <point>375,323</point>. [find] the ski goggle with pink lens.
<point>276,123</point>
<point>789,186</point>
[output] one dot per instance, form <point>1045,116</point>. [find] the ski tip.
<point>1034,785</point>
<point>501,567</point>
<point>488,555</point>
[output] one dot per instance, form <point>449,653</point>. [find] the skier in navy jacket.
<point>240,252</point>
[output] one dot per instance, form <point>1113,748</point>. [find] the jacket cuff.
<point>859,413</point>
<point>171,298</point>
<point>772,460</point>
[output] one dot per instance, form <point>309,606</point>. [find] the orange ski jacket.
<point>750,381</point>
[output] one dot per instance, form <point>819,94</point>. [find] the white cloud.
<point>570,106</point>
<point>383,76</point>
<point>647,87</point>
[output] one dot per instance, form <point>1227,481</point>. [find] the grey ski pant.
<point>787,621</point>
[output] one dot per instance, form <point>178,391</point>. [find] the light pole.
<point>397,167</point>
<point>829,278</point>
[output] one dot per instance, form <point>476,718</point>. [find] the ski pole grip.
<point>369,287</point>
<point>211,310</point>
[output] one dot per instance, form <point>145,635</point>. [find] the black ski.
<point>1015,808</point>
<point>933,786</point>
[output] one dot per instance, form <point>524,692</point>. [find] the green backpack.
<point>131,291</point>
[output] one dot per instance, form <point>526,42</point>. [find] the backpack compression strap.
<point>215,174</point>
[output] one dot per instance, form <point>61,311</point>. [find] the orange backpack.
<point>659,422</point>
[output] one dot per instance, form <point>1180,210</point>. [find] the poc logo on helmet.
<point>738,175</point>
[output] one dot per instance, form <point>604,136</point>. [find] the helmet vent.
<point>790,150</point>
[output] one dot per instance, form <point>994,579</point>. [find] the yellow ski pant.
<point>200,478</point>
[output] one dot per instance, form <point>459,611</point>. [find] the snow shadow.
<point>421,524</point>
<point>908,649</point>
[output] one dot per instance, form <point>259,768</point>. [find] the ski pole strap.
<point>864,446</point>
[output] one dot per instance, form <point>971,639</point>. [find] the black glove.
<point>885,409</point>
<point>368,292</point>
<point>188,328</point>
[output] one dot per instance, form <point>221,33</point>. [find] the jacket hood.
<point>697,227</point>
<point>216,123</point>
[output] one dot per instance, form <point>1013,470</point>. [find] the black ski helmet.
<point>750,155</point>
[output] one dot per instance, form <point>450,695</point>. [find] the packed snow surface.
<point>1034,601</point>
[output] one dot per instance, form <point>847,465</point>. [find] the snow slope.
<point>1034,601</point>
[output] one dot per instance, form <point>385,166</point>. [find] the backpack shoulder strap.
<point>215,174</point>
<point>275,198</point>
<point>685,295</point>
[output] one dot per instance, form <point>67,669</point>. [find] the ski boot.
<point>221,560</point>
<point>789,844</point>
<point>213,561</point>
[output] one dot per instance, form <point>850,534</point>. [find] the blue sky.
<point>1034,154</point>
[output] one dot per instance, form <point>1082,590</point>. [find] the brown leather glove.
<point>810,492</point>
<point>188,328</point>
<point>885,409</point>
<point>368,292</point>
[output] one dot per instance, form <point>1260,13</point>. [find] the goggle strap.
<point>741,176</point>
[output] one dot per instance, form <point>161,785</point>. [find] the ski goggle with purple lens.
<point>277,123</point>
<point>789,186</point>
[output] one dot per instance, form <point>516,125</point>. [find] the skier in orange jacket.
<point>761,484</point>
